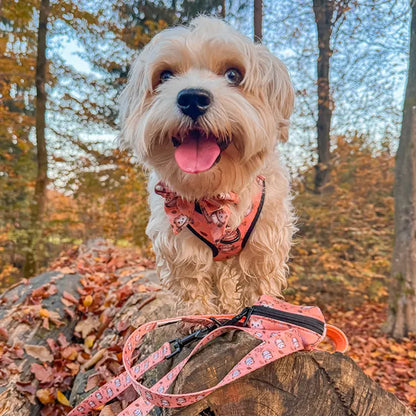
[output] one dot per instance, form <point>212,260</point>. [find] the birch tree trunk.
<point>402,303</point>
<point>39,198</point>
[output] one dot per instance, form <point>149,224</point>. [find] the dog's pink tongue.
<point>197,153</point>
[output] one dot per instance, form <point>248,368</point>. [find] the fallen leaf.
<point>93,381</point>
<point>66,270</point>
<point>45,396</point>
<point>62,340</point>
<point>62,398</point>
<point>4,335</point>
<point>91,324</point>
<point>70,353</point>
<point>70,312</point>
<point>43,374</point>
<point>87,301</point>
<point>74,367</point>
<point>89,341</point>
<point>44,313</point>
<point>39,352</point>
<point>66,295</point>
<point>27,388</point>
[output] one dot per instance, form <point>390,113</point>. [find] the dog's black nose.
<point>194,102</point>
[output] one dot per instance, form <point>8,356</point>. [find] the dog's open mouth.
<point>198,151</point>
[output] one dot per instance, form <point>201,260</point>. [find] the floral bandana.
<point>208,218</point>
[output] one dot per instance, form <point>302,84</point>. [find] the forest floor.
<point>389,362</point>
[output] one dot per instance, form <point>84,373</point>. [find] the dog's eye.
<point>165,75</point>
<point>233,76</point>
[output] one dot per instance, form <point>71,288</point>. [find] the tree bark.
<point>39,199</point>
<point>402,302</point>
<point>305,383</point>
<point>258,20</point>
<point>324,11</point>
<point>223,9</point>
<point>21,332</point>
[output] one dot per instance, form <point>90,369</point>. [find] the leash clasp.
<point>245,313</point>
<point>177,344</point>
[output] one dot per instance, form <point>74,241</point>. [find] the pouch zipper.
<point>306,322</point>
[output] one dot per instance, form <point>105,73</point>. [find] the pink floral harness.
<point>208,218</point>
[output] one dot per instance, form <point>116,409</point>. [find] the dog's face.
<point>204,106</point>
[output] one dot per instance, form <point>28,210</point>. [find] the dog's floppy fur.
<point>250,117</point>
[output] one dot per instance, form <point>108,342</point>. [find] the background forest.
<point>64,180</point>
<point>92,189</point>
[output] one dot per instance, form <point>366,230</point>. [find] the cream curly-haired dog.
<point>203,109</point>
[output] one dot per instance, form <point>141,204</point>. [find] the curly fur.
<point>254,115</point>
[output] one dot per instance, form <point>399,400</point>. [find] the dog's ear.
<point>275,82</point>
<point>132,97</point>
<point>135,88</point>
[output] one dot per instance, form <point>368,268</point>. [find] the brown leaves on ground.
<point>101,294</point>
<point>390,363</point>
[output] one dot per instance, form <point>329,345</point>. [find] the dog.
<point>203,110</point>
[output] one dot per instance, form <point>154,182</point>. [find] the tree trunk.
<point>402,303</point>
<point>30,336</point>
<point>39,199</point>
<point>223,9</point>
<point>305,383</point>
<point>324,10</point>
<point>258,20</point>
<point>21,324</point>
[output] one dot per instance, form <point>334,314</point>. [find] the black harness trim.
<point>252,225</point>
<point>214,248</point>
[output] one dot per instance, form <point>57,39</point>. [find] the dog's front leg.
<point>263,263</point>
<point>186,268</point>
<point>193,288</point>
<point>261,272</point>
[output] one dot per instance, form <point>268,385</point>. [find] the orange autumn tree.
<point>109,197</point>
<point>21,231</point>
<point>17,152</point>
<point>343,247</point>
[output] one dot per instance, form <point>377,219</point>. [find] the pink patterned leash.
<point>278,339</point>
